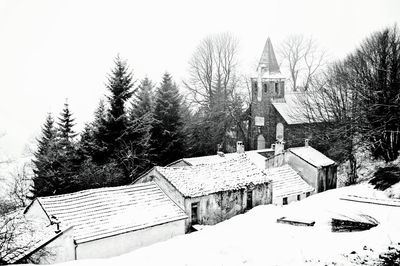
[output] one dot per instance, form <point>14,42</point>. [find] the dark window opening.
<point>284,201</point>
<point>255,84</point>
<point>195,215</point>
<point>298,197</point>
<point>276,87</point>
<point>249,199</point>
<point>265,88</point>
<point>308,194</point>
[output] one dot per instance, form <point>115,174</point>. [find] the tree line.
<point>139,126</point>
<point>358,99</point>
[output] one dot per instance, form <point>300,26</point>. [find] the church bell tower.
<point>268,86</point>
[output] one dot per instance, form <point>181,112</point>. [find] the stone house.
<point>314,167</point>
<point>211,193</point>
<point>276,114</point>
<point>287,185</point>
<point>106,222</point>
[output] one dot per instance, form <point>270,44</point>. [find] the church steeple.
<point>268,62</point>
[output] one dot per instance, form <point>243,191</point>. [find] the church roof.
<point>292,110</point>
<point>268,62</point>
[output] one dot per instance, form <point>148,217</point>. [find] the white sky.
<point>53,50</point>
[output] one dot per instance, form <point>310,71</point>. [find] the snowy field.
<point>255,238</point>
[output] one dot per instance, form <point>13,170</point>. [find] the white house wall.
<point>307,171</point>
<point>124,243</point>
<point>59,250</point>
<point>36,211</point>
<point>292,198</point>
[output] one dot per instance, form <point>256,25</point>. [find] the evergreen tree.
<point>93,141</point>
<point>48,136</point>
<point>67,155</point>
<point>43,183</point>
<point>137,152</point>
<point>65,124</point>
<point>167,138</point>
<point>120,85</point>
<point>143,104</point>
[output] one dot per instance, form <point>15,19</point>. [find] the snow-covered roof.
<point>210,159</point>
<point>204,179</point>
<point>254,156</point>
<point>25,235</point>
<point>291,109</point>
<point>312,156</point>
<point>287,182</point>
<point>104,212</point>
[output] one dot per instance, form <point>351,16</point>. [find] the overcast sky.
<point>53,50</point>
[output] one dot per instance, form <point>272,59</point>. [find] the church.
<point>276,114</point>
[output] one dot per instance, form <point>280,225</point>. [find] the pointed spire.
<point>268,62</point>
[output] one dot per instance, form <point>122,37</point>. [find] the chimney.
<point>279,147</point>
<point>306,142</point>
<point>239,147</point>
<point>54,220</point>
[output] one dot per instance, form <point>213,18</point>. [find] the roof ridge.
<point>94,190</point>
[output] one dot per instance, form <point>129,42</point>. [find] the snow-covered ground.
<point>254,238</point>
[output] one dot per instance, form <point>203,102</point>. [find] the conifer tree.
<point>137,149</point>
<point>44,182</point>
<point>48,135</point>
<point>66,122</point>
<point>68,158</point>
<point>120,86</point>
<point>167,138</point>
<point>143,103</point>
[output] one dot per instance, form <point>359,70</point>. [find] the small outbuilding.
<point>317,169</point>
<point>288,185</point>
<point>109,221</point>
<point>211,193</point>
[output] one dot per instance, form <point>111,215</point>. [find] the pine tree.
<point>167,138</point>
<point>66,122</point>
<point>93,142</point>
<point>44,178</point>
<point>120,85</point>
<point>48,135</point>
<point>137,152</point>
<point>143,104</point>
<point>67,155</point>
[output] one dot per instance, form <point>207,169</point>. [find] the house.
<point>314,167</point>
<point>211,193</point>
<point>108,221</point>
<point>317,169</point>
<point>288,185</point>
<point>276,114</point>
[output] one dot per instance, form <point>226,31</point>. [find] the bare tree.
<point>214,87</point>
<point>303,59</point>
<point>20,185</point>
<point>330,104</point>
<point>213,70</point>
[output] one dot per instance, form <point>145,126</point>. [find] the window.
<point>298,197</point>
<point>255,84</point>
<point>276,87</point>
<point>308,194</point>
<point>265,88</point>
<point>195,214</point>
<point>284,201</point>
<point>249,199</point>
